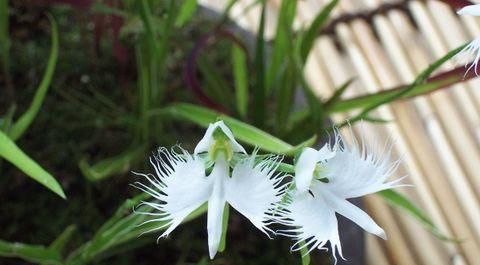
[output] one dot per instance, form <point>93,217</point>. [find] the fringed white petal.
<point>179,187</point>
<point>472,10</point>
<point>355,171</point>
<point>255,190</point>
<point>216,205</point>
<point>313,223</point>
<point>207,140</point>
<point>351,212</point>
<point>471,51</point>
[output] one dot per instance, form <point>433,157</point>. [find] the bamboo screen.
<point>436,136</point>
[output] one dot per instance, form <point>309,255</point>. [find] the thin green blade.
<point>10,151</point>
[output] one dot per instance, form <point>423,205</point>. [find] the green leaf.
<point>259,93</point>
<point>187,10</point>
<point>418,87</point>
<point>4,36</point>
<point>31,253</point>
<point>398,200</point>
<point>104,9</point>
<point>6,121</point>
<point>285,95</point>
<point>239,62</point>
<point>27,118</point>
<point>10,151</point>
<point>216,87</point>
<point>309,37</point>
<point>338,93</point>
<point>307,143</point>
<point>304,254</point>
<point>223,239</point>
<point>244,132</point>
<point>122,228</point>
<point>114,165</point>
<point>61,241</point>
<point>282,44</point>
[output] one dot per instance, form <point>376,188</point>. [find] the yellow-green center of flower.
<point>221,145</point>
<point>319,173</point>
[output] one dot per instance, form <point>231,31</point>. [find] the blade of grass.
<point>308,39</point>
<point>421,78</point>
<point>216,87</point>
<point>150,52</point>
<point>4,36</point>
<point>62,240</point>
<point>398,200</point>
<point>305,256</point>
<point>187,10</point>
<point>282,42</point>
<point>10,151</point>
<point>243,131</point>
<point>121,228</point>
<point>163,47</point>
<point>31,253</point>
<point>58,245</point>
<point>22,124</point>
<point>239,61</point>
<point>435,83</point>
<point>223,239</point>
<point>338,93</point>
<point>259,97</point>
<point>114,165</point>
<point>143,81</point>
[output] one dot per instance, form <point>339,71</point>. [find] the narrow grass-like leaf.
<point>259,93</point>
<point>398,200</point>
<point>435,83</point>
<point>285,95</point>
<point>121,228</point>
<point>239,61</point>
<point>309,37</point>
<point>22,124</point>
<point>58,245</point>
<point>223,239</point>
<point>338,93</point>
<point>167,28</point>
<point>298,148</point>
<point>282,44</point>
<point>243,131</point>
<point>4,36</point>
<point>421,78</point>
<point>7,119</point>
<point>187,10</point>
<point>31,253</point>
<point>304,254</point>
<point>114,165</point>
<point>98,7</point>
<point>216,87</point>
<point>10,151</point>
<point>62,240</point>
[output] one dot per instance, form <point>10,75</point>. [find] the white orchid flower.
<point>324,180</point>
<point>181,185</point>
<point>473,48</point>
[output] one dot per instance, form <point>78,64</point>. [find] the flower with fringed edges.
<point>324,180</point>
<point>181,184</point>
<point>473,48</point>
